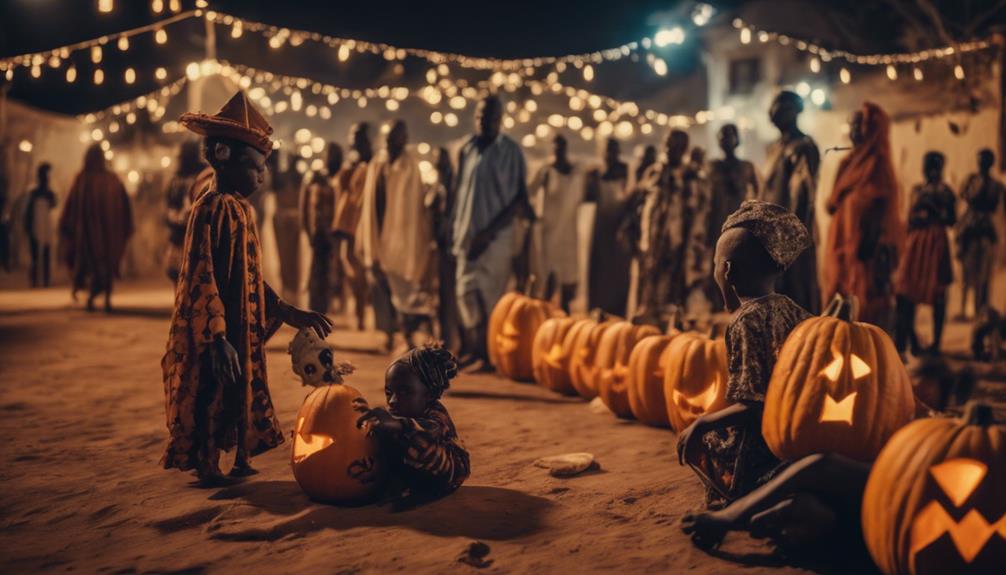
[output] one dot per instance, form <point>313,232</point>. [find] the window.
<point>744,75</point>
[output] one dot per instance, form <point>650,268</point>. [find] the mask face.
<point>954,511</point>
<point>842,372</point>
<point>313,360</point>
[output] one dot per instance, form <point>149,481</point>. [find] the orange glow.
<point>859,367</point>
<point>307,444</point>
<point>958,478</point>
<point>834,368</point>
<point>554,356</point>
<point>838,410</point>
<point>701,402</point>
<point>507,340</point>
<point>969,536</point>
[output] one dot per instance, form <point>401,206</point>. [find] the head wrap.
<point>780,232</point>
<point>237,120</point>
<point>435,366</point>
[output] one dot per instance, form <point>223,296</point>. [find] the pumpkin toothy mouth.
<point>697,403</point>
<point>554,356</point>
<point>307,444</point>
<point>840,411</point>
<point>958,478</point>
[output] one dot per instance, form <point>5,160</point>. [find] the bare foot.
<point>794,522</point>
<point>707,530</point>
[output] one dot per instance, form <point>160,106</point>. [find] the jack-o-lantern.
<point>935,501</point>
<point>613,352</point>
<point>645,380</point>
<point>695,379</point>
<point>512,326</point>
<point>333,461</point>
<point>550,356</point>
<point>838,386</point>
<point>584,338</point>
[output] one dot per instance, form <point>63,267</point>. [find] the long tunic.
<point>429,455</point>
<point>395,233</point>
<point>220,291</point>
<point>610,259</point>
<point>736,458</point>
<point>925,272</point>
<point>791,182</point>
<point>731,181</point>
<point>95,225</point>
<point>488,182</point>
<point>317,215</point>
<point>556,198</point>
<point>349,189</point>
<point>286,226</point>
<point>38,216</point>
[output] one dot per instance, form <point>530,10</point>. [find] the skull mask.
<point>314,360</point>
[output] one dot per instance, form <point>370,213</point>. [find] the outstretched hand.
<point>302,319</point>
<point>224,361</point>
<point>380,421</point>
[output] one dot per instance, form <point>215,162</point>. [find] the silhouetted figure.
<point>556,192</point>
<point>440,200</point>
<point>285,186</point>
<point>976,233</point>
<point>38,226</point>
<point>94,227</point>
<point>349,194</point>
<point>178,201</point>
<point>925,272</point>
<point>610,257</point>
<point>791,182</point>
<point>317,214</point>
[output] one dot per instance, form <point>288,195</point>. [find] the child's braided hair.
<point>435,365</point>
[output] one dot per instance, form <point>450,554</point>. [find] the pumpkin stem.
<point>978,413</point>
<point>529,286</point>
<point>842,307</point>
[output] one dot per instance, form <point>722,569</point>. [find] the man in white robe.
<point>556,194</point>
<point>491,192</point>
<point>396,238</point>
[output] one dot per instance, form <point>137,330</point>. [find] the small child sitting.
<point>425,455</point>
<point>758,242</point>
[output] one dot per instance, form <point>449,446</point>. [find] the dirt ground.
<point>82,410</point>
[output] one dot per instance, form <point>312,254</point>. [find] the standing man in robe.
<point>976,233</point>
<point>286,226</point>
<point>491,192</point>
<point>557,192</point>
<point>317,212</point>
<point>610,265</point>
<point>38,226</point>
<point>396,239</point>
<point>96,223</point>
<point>349,193</point>
<point>791,182</point>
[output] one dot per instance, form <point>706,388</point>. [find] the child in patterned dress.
<point>426,457</point>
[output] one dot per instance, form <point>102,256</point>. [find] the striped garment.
<point>432,456</point>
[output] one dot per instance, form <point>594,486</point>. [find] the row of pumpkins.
<point>838,387</point>
<point>829,370</point>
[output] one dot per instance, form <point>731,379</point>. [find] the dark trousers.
<point>39,256</point>
<point>447,309</point>
<point>320,283</point>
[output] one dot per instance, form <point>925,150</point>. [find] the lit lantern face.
<point>838,386</point>
<point>612,362</point>
<point>935,501</point>
<point>333,461</point>
<point>550,354</point>
<point>841,409</point>
<point>583,369</point>
<point>645,381</point>
<point>695,378</point>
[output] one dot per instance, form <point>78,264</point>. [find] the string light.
<point>892,72</point>
<point>917,73</point>
<point>130,75</point>
<point>123,43</point>
<point>106,6</point>
<point>157,6</point>
<point>745,35</point>
<point>844,76</point>
<point>588,73</point>
<point>161,73</point>
<point>96,54</point>
<point>815,65</point>
<point>99,77</point>
<point>161,36</point>
<point>71,74</point>
<point>959,72</point>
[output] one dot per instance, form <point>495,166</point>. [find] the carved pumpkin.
<point>838,386</point>
<point>550,355</point>
<point>645,380</point>
<point>512,326</point>
<point>935,501</point>
<point>613,352</point>
<point>332,460</point>
<point>584,338</point>
<point>695,379</point>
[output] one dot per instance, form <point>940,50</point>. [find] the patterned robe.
<point>736,458</point>
<point>791,182</point>
<point>220,292</point>
<point>428,456</point>
<point>925,272</point>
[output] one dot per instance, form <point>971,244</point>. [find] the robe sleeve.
<point>213,227</point>
<point>431,448</point>
<point>745,361</point>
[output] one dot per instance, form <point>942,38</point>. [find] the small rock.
<point>597,406</point>
<point>566,464</point>
<point>475,555</point>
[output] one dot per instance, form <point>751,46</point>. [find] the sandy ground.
<point>82,413</point>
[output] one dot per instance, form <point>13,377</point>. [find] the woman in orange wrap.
<point>865,233</point>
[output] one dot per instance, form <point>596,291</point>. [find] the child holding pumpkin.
<point>758,242</point>
<point>217,396</point>
<point>425,455</point>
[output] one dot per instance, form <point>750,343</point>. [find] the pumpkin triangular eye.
<point>859,367</point>
<point>958,478</point>
<point>834,368</point>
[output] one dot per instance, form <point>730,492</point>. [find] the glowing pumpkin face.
<point>550,356</point>
<point>645,381</point>
<point>334,461</point>
<point>512,328</point>
<point>935,501</point>
<point>838,386</point>
<point>583,368</point>
<point>695,378</point>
